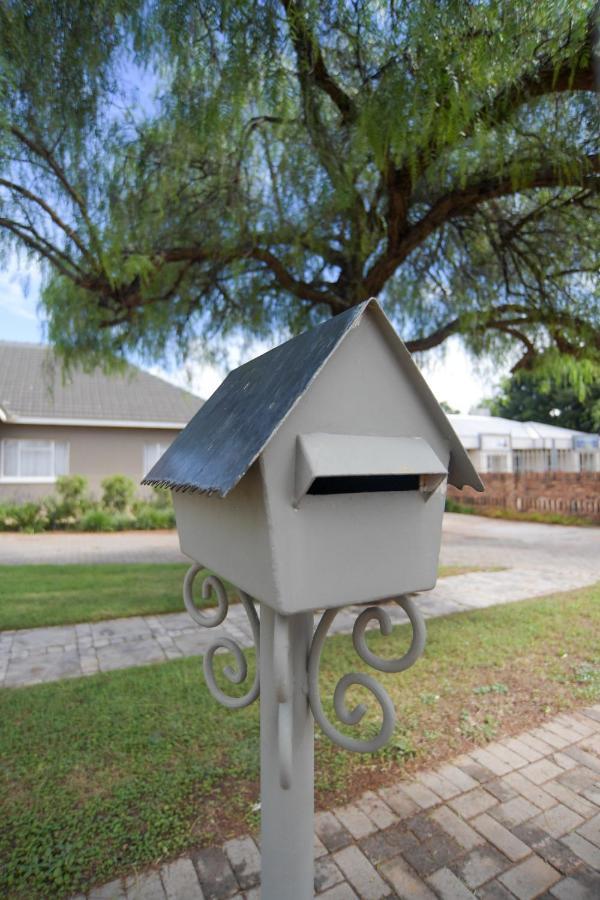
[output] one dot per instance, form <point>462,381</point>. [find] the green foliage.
<point>72,508</point>
<point>530,515</point>
<point>118,492</point>
<point>278,162</point>
<point>558,392</point>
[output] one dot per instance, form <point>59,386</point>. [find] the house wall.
<point>93,452</point>
<point>573,494</point>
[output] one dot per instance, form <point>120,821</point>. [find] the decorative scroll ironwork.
<point>354,716</point>
<point>210,619</point>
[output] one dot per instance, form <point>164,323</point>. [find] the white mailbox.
<point>327,456</point>
<point>315,476</point>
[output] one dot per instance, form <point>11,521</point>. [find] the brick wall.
<point>560,492</point>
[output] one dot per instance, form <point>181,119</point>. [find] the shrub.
<point>73,499</point>
<point>28,517</point>
<point>96,519</point>
<point>149,516</point>
<point>118,492</point>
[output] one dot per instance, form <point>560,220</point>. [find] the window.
<point>497,462</point>
<point>28,460</point>
<point>152,453</point>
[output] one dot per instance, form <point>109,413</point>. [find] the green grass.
<point>33,596</point>
<point>100,776</point>
<point>515,515</point>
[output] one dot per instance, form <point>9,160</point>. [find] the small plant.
<point>72,494</point>
<point>497,688</point>
<point>477,731</point>
<point>118,492</point>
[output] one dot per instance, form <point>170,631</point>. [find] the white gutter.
<point>91,423</point>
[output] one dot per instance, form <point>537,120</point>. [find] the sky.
<point>453,376</point>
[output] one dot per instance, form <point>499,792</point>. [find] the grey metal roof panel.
<point>230,431</point>
<point>32,386</point>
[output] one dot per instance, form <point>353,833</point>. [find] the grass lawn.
<point>32,596</point>
<point>101,775</point>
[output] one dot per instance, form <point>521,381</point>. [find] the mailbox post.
<point>314,478</point>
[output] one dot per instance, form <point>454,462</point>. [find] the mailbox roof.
<point>232,428</point>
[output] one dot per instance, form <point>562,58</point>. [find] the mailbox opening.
<point>328,464</point>
<point>363,484</point>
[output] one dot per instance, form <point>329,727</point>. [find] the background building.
<point>93,424</point>
<point>500,445</point>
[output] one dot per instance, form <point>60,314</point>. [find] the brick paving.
<point>465,831</point>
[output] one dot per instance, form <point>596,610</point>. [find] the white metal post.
<point>286,757</point>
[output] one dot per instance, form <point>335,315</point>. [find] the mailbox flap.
<point>356,463</point>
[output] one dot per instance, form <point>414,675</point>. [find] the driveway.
<point>467,540</point>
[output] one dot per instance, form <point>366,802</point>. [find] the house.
<point>93,424</point>
<point>316,474</point>
<point>497,445</point>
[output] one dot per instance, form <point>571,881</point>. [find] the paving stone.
<point>541,771</point>
<point>591,830</point>
<point>558,820</point>
<point>501,837</point>
<point>453,825</point>
<point>114,890</point>
<point>591,712</point>
<point>399,801</point>
<point>216,876</point>
<point>181,881</point>
<point>331,831</point>
<point>339,892</point>
<point>585,850</point>
<point>480,866</point>
<point>449,887</point>
<point>579,779</point>
<point>405,882</point>
<point>551,738</point>
<point>565,733</point>
<point>591,743</point>
<point>578,888</point>
<point>355,821</point>
<point>529,878</point>
<point>527,789</point>
<point>565,795</point>
<point>492,762</point>
<point>473,803</point>
<point>439,785</point>
<point>461,779</point>
<point>422,796</point>
<point>433,854</point>
<point>493,890</point>
<point>474,769</point>
<point>362,876</point>
<point>386,844</point>
<point>562,760</point>
<point>522,749</point>
<point>514,812</point>
<point>576,723</point>
<point>514,760</point>
<point>377,811</point>
<point>244,858</point>
<point>554,852</point>
<point>424,826</point>
<point>319,848</point>
<point>584,758</point>
<point>327,874</point>
<point>145,886</point>
<point>501,790</point>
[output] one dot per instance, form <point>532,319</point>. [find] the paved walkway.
<point>63,548</point>
<point>31,656</point>
<point>518,819</point>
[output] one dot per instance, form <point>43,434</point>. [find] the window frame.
<point>33,479</point>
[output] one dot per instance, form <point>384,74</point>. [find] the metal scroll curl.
<point>354,716</point>
<point>237,673</point>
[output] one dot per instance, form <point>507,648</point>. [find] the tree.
<point>552,396</point>
<point>448,409</point>
<point>283,160</point>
